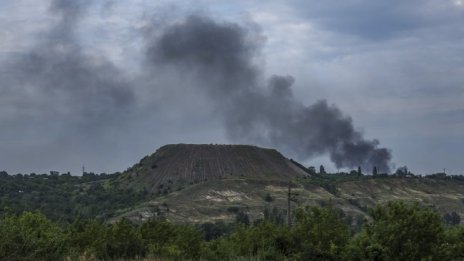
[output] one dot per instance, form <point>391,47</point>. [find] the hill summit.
<point>192,163</point>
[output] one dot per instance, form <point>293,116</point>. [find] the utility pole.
<point>291,197</point>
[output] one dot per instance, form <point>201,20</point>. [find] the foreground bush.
<point>401,231</point>
<point>30,236</point>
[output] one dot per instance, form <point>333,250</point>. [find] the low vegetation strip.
<point>397,231</point>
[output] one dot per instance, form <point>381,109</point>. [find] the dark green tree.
<point>242,218</point>
<point>125,241</point>
<point>454,246</point>
<point>268,198</point>
<point>263,241</point>
<point>452,218</point>
<point>88,238</point>
<point>320,234</point>
<point>312,170</point>
<point>30,236</point>
<point>400,231</point>
<point>165,239</point>
<point>402,171</point>
<point>275,215</point>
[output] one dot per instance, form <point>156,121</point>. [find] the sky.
<point>358,82</point>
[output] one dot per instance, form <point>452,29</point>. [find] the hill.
<point>179,165</point>
<point>200,183</point>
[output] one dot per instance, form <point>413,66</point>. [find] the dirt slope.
<point>183,164</point>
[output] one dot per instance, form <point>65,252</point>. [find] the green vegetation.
<point>164,210</point>
<point>108,197</point>
<point>62,198</point>
<point>397,231</point>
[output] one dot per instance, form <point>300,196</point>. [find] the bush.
<point>30,236</point>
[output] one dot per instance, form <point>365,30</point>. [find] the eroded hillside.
<point>176,166</point>
<point>221,200</point>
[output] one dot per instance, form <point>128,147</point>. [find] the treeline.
<point>401,172</point>
<point>62,197</point>
<point>395,231</point>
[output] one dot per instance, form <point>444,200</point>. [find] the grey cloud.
<point>378,20</point>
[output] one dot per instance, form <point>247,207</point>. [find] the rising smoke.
<point>86,91</point>
<point>57,90</point>
<point>60,106</point>
<point>61,88</point>
<point>222,56</point>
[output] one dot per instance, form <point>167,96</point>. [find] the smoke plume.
<point>223,58</point>
<point>61,107</point>
<point>87,92</point>
<point>59,102</point>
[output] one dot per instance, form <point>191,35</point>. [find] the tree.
<point>157,235</point>
<point>242,218</point>
<point>320,233</point>
<point>174,241</point>
<point>359,171</point>
<point>30,236</point>
<point>322,170</point>
<point>400,231</point>
<point>125,241</point>
<point>274,215</point>
<point>263,241</point>
<point>402,171</point>
<point>268,198</point>
<point>374,171</point>
<point>452,218</point>
<point>455,242</point>
<point>213,231</point>
<point>312,170</point>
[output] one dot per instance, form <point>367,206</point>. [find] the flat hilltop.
<point>184,164</point>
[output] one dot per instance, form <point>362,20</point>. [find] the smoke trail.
<point>223,57</point>
<point>61,106</point>
<point>62,82</point>
<point>57,96</point>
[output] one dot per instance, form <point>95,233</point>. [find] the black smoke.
<point>61,81</point>
<point>61,106</point>
<point>224,57</point>
<point>60,101</point>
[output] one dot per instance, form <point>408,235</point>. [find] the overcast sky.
<point>79,84</point>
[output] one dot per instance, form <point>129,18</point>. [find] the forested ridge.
<point>63,197</point>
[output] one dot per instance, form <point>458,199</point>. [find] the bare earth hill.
<point>207,183</point>
<point>191,163</point>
